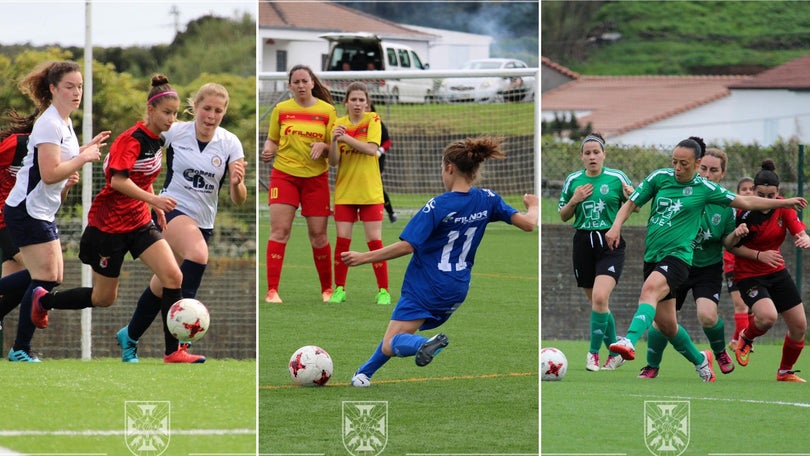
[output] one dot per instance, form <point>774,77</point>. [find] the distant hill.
<point>674,37</point>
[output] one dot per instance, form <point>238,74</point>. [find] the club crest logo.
<point>147,427</point>
<point>365,427</point>
<point>666,427</point>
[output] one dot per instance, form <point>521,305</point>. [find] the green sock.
<point>717,336</point>
<point>642,320</point>
<point>610,334</point>
<point>599,322</point>
<point>683,343</point>
<point>656,344</point>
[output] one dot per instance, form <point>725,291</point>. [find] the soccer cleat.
<point>623,347</point>
<point>392,216</point>
<point>361,381</point>
<point>725,362</point>
<point>383,297</point>
<point>704,369</point>
<point>743,350</point>
<point>430,348</point>
<point>789,376</point>
<point>648,372</point>
<point>39,316</point>
<point>272,296</point>
<point>613,362</point>
<point>338,296</point>
<point>592,362</point>
<point>326,295</point>
<point>183,356</point>
<point>24,356</point>
<point>129,347</point>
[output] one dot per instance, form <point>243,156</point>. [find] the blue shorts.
<point>409,309</point>
<point>26,230</point>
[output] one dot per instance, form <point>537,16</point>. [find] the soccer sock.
<point>74,298</point>
<point>610,333</point>
<point>9,301</point>
<point>599,322</point>
<point>323,264</point>
<point>341,269</point>
<point>717,336</point>
<point>378,358</point>
<point>656,344</point>
<point>740,323</point>
<point>750,320</point>
<point>380,267</point>
<point>752,331</point>
<point>145,312</point>
<point>791,349</point>
<point>274,259</point>
<point>16,281</point>
<point>642,320</point>
<point>192,277</point>
<point>25,327</point>
<point>170,296</point>
<point>683,343</point>
<point>406,344</point>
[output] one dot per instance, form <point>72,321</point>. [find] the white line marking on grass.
<point>750,401</point>
<point>85,433</point>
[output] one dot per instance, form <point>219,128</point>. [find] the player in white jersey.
<point>198,155</point>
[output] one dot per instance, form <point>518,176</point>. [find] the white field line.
<point>722,399</point>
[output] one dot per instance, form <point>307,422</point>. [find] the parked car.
<point>367,52</point>
<point>489,89</point>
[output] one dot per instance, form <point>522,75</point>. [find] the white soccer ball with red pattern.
<point>553,364</point>
<point>188,320</point>
<point>311,366</point>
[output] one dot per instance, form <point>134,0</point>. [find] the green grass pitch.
<point>480,395</point>
<point>745,412</point>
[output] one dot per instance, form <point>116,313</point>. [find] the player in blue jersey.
<point>443,238</point>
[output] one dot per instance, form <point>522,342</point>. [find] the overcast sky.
<point>114,22</point>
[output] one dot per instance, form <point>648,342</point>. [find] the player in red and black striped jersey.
<point>764,283</point>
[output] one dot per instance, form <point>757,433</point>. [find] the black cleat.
<point>431,348</point>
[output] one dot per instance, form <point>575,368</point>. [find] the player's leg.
<point>315,206</point>
<point>190,246</point>
<point>796,323</point>
<point>345,215</point>
<point>372,217</point>
<point>281,219</point>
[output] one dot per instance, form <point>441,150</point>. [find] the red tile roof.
<point>559,68</point>
<point>791,75</point>
<point>618,104</point>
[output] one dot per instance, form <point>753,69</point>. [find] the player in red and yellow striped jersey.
<point>358,187</point>
<point>299,138</point>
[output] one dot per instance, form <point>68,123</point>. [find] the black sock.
<point>25,327</point>
<point>74,298</point>
<point>170,296</point>
<point>9,301</point>
<point>192,277</point>
<point>145,312</point>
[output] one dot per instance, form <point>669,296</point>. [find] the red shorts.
<point>364,212</point>
<point>311,193</point>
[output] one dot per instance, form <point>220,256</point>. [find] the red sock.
<point>791,350</point>
<point>380,268</point>
<point>750,319</point>
<point>740,323</point>
<point>341,269</point>
<point>323,264</point>
<point>275,259</point>
<point>752,332</point>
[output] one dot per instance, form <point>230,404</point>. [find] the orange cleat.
<point>272,297</point>
<point>183,356</point>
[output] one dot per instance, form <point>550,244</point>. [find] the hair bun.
<point>768,165</point>
<point>159,80</point>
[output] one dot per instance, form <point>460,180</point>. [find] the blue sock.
<point>406,344</point>
<point>145,312</point>
<point>192,277</point>
<point>16,281</point>
<point>378,358</point>
<point>25,327</point>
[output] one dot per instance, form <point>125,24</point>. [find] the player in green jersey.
<point>593,196</point>
<point>678,198</point>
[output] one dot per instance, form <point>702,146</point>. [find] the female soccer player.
<point>764,282</point>
<point>443,238</point>
<point>49,168</point>
<point>705,276</point>
<point>210,152</point>
<point>593,196</point>
<point>678,196</point>
<point>358,187</point>
<point>742,314</point>
<point>299,139</point>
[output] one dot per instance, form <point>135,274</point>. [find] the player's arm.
<point>389,252</point>
<point>527,221</point>
<point>121,182</point>
<point>613,235</point>
<point>569,209</point>
<point>236,170</point>
<point>756,203</point>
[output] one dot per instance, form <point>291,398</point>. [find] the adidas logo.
<point>664,268</point>
<point>612,269</point>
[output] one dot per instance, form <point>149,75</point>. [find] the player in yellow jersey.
<point>299,138</point>
<point>358,186</point>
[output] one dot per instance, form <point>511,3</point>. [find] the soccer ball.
<point>188,320</point>
<point>311,366</point>
<point>553,364</point>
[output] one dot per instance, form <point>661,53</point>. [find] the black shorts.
<point>731,285</point>
<point>779,287</point>
<point>675,270</point>
<point>592,257</point>
<point>705,282</point>
<point>8,247</point>
<point>104,252</point>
